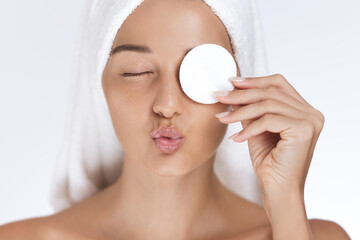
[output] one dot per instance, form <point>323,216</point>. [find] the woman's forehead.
<point>172,25</point>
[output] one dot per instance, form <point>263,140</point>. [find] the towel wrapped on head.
<point>91,157</point>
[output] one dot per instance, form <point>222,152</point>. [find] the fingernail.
<point>233,136</point>
<point>221,93</point>
<point>237,79</point>
<point>223,114</point>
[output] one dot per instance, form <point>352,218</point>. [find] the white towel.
<point>91,157</point>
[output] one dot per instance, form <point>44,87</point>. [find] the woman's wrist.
<point>287,214</point>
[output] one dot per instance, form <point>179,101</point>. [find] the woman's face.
<point>139,104</point>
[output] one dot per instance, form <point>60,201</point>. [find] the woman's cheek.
<point>217,132</point>
<point>130,100</point>
<point>208,130</point>
<point>128,106</point>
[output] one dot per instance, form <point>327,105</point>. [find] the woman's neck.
<point>163,207</point>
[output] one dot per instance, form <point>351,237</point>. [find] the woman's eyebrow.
<point>136,48</point>
<point>131,47</point>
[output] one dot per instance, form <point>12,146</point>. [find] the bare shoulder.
<point>326,229</point>
<point>321,229</point>
<point>25,229</point>
<point>41,228</point>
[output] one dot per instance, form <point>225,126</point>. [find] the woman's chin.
<point>169,165</point>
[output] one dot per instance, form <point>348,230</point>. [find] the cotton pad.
<point>204,69</point>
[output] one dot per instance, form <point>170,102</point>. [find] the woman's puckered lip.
<point>169,132</point>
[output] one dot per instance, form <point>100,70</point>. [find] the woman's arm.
<point>287,214</point>
<point>282,130</point>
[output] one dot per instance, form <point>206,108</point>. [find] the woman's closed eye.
<point>134,74</point>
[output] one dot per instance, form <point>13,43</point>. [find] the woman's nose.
<point>169,97</point>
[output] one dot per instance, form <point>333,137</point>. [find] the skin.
<point>178,196</point>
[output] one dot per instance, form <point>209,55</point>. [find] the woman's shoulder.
<point>40,228</point>
<point>327,229</point>
<point>321,230</point>
<point>34,228</point>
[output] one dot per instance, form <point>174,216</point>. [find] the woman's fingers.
<point>287,127</point>
<point>258,109</point>
<point>276,80</point>
<point>257,97</point>
<point>253,95</point>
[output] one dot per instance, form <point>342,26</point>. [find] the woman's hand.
<point>281,129</point>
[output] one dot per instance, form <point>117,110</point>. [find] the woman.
<point>177,195</point>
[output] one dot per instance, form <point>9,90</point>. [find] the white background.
<point>314,44</point>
